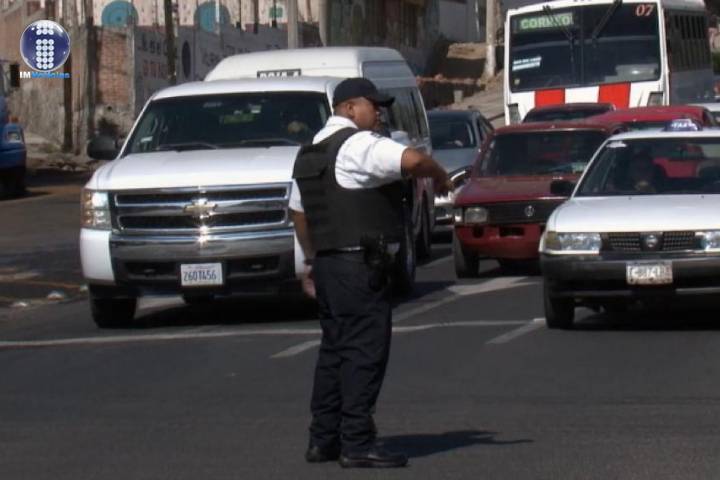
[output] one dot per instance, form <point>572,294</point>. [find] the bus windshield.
<point>567,47</point>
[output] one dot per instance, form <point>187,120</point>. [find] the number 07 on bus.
<point>628,53</point>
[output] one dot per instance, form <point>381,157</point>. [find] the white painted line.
<point>513,334</point>
<point>297,349</point>
<point>186,335</point>
<point>460,291</point>
<point>305,346</point>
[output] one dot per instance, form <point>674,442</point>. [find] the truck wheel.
<point>112,312</point>
<point>424,240</point>
<point>405,262</point>
<point>559,312</point>
<point>466,263</point>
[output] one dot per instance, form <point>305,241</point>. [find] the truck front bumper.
<point>144,265</point>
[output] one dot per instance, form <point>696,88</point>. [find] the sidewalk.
<point>43,154</point>
<point>489,102</point>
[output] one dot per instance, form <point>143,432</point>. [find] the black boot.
<point>316,454</point>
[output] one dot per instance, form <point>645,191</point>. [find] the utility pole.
<point>170,43</point>
<point>68,14</point>
<point>91,62</point>
<point>256,16</point>
<point>292,24</point>
<point>490,29</point>
<point>323,14</point>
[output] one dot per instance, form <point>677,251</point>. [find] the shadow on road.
<point>658,317</point>
<point>423,445</point>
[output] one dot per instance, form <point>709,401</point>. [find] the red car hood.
<point>481,190</point>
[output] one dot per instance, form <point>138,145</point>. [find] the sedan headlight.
<point>475,215</point>
<point>710,240</point>
<point>571,243</point>
<point>95,210</point>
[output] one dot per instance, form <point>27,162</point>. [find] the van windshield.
<point>234,120</point>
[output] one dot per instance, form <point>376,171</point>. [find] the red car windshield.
<point>540,153</point>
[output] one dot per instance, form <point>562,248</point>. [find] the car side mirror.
<point>562,188</point>
<point>103,147</point>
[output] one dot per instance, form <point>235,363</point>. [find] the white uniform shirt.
<point>365,160</point>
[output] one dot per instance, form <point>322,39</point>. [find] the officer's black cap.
<point>360,87</point>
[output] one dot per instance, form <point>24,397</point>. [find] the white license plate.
<point>650,273</point>
<point>201,274</point>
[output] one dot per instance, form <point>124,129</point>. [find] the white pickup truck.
<point>195,201</point>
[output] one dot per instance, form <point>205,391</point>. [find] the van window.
<point>402,115</point>
<point>230,121</point>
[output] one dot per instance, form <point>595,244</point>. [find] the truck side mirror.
<point>14,75</point>
<point>103,147</point>
<point>562,188</point>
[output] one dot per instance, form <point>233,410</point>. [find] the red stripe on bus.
<point>617,93</point>
<point>549,97</point>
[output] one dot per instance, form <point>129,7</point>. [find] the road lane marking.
<point>460,291</point>
<point>305,346</point>
<point>518,332</point>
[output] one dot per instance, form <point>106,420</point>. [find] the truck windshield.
<point>230,121</point>
<point>540,153</point>
<point>625,49</point>
<point>659,166</point>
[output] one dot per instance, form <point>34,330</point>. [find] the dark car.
<point>567,111</point>
<point>12,154</point>
<point>456,139</point>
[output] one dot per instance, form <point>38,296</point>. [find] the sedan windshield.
<point>450,134</point>
<point>540,153</point>
<point>230,121</point>
<point>668,166</point>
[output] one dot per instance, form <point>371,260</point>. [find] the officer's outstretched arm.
<point>301,230</point>
<point>417,164</point>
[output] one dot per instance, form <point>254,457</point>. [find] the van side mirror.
<point>103,147</point>
<point>562,188</point>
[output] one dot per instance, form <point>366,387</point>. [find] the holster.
<point>378,258</point>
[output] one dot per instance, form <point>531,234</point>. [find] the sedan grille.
<point>207,211</point>
<point>537,211</point>
<point>638,242</point>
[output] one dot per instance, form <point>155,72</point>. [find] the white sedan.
<point>642,223</point>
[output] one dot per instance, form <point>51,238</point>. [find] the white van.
<point>195,201</point>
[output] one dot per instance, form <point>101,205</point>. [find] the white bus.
<point>627,52</point>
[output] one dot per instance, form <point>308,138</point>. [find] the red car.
<point>501,212</point>
<point>566,111</point>
<point>644,118</point>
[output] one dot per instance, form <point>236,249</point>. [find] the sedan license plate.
<point>201,274</point>
<point>649,273</point>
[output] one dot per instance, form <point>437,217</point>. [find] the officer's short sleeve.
<point>368,159</point>
<point>295,199</point>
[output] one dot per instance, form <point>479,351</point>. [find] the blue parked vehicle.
<point>12,151</point>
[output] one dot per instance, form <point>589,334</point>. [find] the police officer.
<point>347,207</point>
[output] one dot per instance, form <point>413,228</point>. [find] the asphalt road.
<point>477,387</point>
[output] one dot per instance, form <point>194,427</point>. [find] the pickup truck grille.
<point>633,242</point>
<point>201,210</point>
<point>535,211</point>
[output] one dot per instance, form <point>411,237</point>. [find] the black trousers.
<point>357,326</point>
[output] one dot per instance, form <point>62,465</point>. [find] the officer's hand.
<point>308,282</point>
<point>443,185</point>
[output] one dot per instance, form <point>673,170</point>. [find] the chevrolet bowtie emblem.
<point>200,208</point>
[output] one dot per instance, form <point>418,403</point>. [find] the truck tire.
<point>112,312</point>
<point>424,240</point>
<point>466,263</point>
<point>559,312</point>
<point>403,277</point>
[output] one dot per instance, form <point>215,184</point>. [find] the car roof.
<point>569,107</point>
<point>218,87</point>
<point>654,134</point>
<point>552,126</point>
<point>640,114</point>
<point>461,114</point>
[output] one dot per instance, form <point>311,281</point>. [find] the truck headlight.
<point>475,215</point>
<point>571,243</point>
<point>710,240</point>
<point>95,210</point>
<point>13,136</point>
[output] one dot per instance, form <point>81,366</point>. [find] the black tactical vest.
<point>339,217</point>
